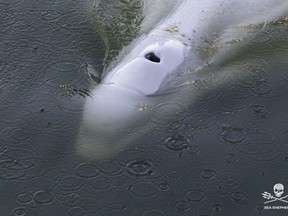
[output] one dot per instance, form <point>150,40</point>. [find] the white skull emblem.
<point>278,189</point>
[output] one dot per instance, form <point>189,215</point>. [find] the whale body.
<point>193,35</point>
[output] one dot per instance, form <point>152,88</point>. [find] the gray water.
<point>214,159</point>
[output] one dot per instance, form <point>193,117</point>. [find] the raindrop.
<point>144,189</point>
<point>18,135</point>
<point>50,15</point>
<point>230,183</point>
<point>183,206</point>
<point>114,210</point>
<point>259,112</point>
<point>226,120</point>
<point>101,184</point>
<point>207,174</point>
<point>51,2</point>
<point>43,196</point>
<point>110,168</point>
<point>234,136</point>
<point>76,211</point>
<point>24,211</point>
<point>87,170</point>
<point>70,200</point>
<point>118,183</point>
<point>139,167</point>
<point>235,100</point>
<point>239,198</point>
<point>261,151</point>
<point>164,186</point>
<point>256,72</point>
<point>263,89</point>
<point>154,212</point>
<point>66,183</point>
<point>174,175</point>
<point>24,198</point>
<point>195,195</point>
<point>177,142</point>
<point>10,2</point>
<point>217,207</point>
<point>194,150</point>
<point>231,158</point>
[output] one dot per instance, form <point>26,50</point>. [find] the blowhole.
<point>152,57</point>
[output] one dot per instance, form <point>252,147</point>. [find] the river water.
<point>216,158</point>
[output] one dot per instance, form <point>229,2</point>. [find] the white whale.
<point>189,36</point>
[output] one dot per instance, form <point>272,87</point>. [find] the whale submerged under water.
<point>179,41</point>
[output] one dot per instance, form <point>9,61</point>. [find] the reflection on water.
<point>216,158</point>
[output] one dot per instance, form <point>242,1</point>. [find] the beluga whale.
<point>179,41</point>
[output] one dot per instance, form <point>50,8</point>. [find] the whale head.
<point>145,68</point>
<point>115,109</point>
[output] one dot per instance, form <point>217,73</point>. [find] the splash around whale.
<point>179,41</point>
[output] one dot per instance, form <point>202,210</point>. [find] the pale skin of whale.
<point>113,116</point>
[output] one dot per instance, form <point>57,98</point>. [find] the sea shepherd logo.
<point>276,198</point>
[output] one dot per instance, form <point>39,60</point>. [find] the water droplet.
<point>66,183</point>
<point>263,89</point>
<point>259,112</point>
<point>154,212</point>
<point>20,212</point>
<point>71,200</point>
<point>114,210</point>
<point>87,170</point>
<point>239,198</point>
<point>43,196</point>
<point>226,120</point>
<point>174,175</point>
<point>177,142</point>
<point>164,186</point>
<point>118,183</point>
<point>100,184</point>
<point>76,211</point>
<point>10,2</point>
<point>207,174</point>
<point>144,189</point>
<point>234,136</point>
<point>235,100</point>
<point>217,207</point>
<point>195,195</point>
<point>194,150</point>
<point>139,167</point>
<point>183,206</point>
<point>110,168</point>
<point>24,211</point>
<point>231,158</point>
<point>24,198</point>
<point>230,183</point>
<point>261,151</point>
